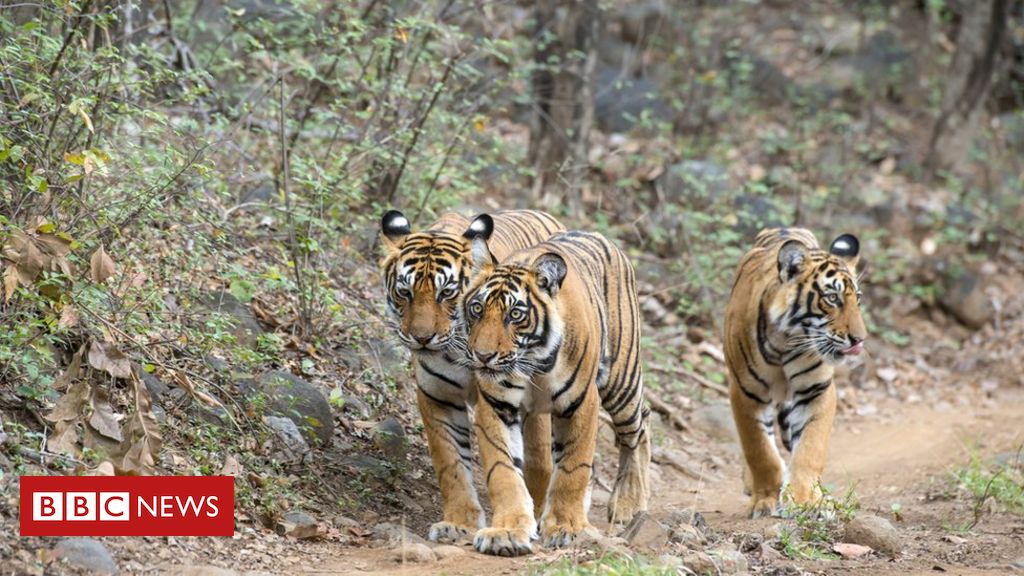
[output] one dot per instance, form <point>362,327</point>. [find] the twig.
<point>721,389</point>
<point>304,316</point>
<point>662,407</point>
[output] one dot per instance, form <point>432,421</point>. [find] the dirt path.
<point>888,459</point>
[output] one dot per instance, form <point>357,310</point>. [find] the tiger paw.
<point>559,534</point>
<point>448,532</point>
<point>502,542</point>
<point>764,507</point>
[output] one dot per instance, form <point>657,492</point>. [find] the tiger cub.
<point>554,328</point>
<point>424,275</point>
<point>793,315</point>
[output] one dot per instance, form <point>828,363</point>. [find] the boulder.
<point>292,397</point>
<point>297,524</point>
<point>620,101</point>
<point>963,295</point>
<point>716,421</point>
<point>389,438</point>
<point>244,326</point>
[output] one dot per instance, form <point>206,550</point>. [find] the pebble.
<point>416,553</point>
<point>446,551</point>
<point>850,551</point>
<point>876,533</point>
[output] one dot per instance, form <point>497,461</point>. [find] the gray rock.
<point>645,532</point>
<point>689,517</point>
<point>766,82</point>
<point>395,535</point>
<point>245,328</point>
<point>86,554</point>
<point>389,437</point>
<point>963,295</point>
<point>386,356</point>
<point>415,553</point>
<point>755,213</point>
<point>700,563</point>
<point>297,524</point>
<point>1011,126</point>
<point>688,536</point>
<point>292,397</point>
<point>695,183</point>
<point>620,101</point>
<point>874,532</point>
<point>154,385</point>
<point>885,63</point>
<point>716,420</point>
<point>729,561</point>
<point>293,444</point>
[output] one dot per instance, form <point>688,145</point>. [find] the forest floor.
<point>913,423</point>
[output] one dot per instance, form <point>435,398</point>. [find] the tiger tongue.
<point>853,350</point>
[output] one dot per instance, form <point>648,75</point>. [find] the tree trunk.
<point>566,59</point>
<point>981,33</point>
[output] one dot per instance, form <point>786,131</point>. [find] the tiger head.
<point>817,305</point>
<point>424,275</point>
<point>510,310</point>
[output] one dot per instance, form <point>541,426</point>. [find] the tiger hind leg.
<point>632,488</point>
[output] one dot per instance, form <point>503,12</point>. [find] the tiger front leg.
<point>575,438</point>
<point>632,489</point>
<point>537,438</point>
<point>501,450</point>
<point>447,429</point>
<point>764,466</point>
<point>809,427</point>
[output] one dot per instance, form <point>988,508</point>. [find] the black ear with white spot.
<point>394,226</point>
<point>792,257</point>
<point>551,270</point>
<point>846,247</point>
<point>482,225</point>
<point>479,232</point>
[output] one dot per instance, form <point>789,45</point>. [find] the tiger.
<point>424,275</point>
<point>554,329</point>
<point>793,314</point>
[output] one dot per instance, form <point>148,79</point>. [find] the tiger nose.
<point>485,357</point>
<point>424,340</point>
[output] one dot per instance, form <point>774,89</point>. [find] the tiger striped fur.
<point>793,314</point>
<point>424,276</point>
<point>555,328</point>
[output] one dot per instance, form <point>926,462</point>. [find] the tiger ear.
<point>478,233</point>
<point>394,226</point>
<point>792,256</point>
<point>550,269</point>
<point>846,247</point>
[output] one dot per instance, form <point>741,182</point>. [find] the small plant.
<point>817,525</point>
<point>991,487</point>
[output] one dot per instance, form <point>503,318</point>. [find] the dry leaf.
<point>186,384</point>
<point>10,282</point>
<point>103,419</point>
<point>101,266</point>
<point>69,317</point>
<point>69,375</point>
<point>107,357</point>
<point>70,405</point>
<point>142,439</point>
<point>231,467</point>
<point>64,439</point>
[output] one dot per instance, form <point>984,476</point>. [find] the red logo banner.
<point>127,505</point>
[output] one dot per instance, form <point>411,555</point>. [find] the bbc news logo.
<point>127,505</point>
